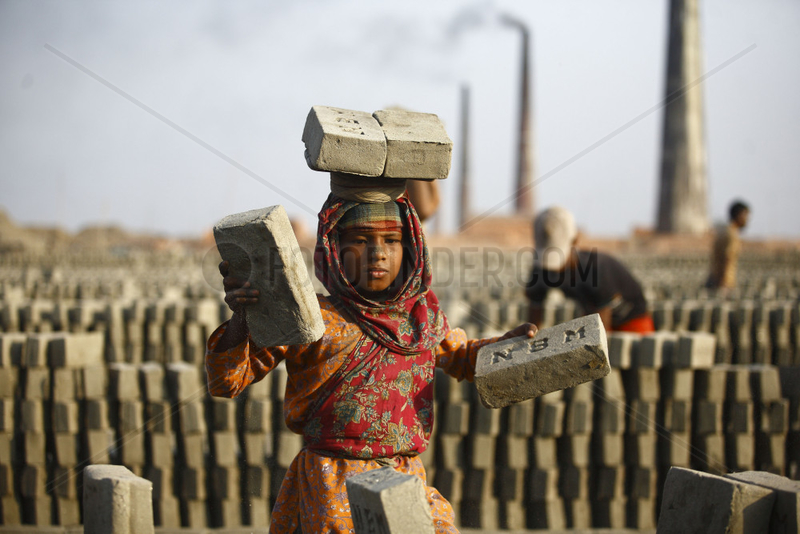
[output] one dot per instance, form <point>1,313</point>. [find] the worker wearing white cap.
<point>598,282</point>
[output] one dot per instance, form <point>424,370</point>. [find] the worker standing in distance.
<point>727,246</point>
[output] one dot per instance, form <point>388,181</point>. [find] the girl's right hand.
<point>238,293</point>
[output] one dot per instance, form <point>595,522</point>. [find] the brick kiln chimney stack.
<point>524,197</point>
<point>464,194</point>
<point>682,205</point>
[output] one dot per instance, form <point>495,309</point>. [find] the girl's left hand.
<point>527,329</point>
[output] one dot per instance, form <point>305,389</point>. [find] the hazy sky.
<point>241,77</point>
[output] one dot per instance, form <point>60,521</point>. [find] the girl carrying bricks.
<point>362,395</point>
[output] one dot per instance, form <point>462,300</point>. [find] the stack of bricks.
<point>762,344</point>
<point>642,391</point>
<point>512,429</point>
<point>111,320</point>
<point>172,330</point>
<point>574,456</point>
<point>12,346</point>
<point>468,429</point>
<point>255,411</point>
<point>674,417</point>
<point>159,440</point>
<point>451,416</point>
<point>286,443</point>
<point>74,360</point>
<point>790,390</point>
<point>96,435</point>
<point>34,410</point>
<point>770,421</point>
<point>708,443</point>
<point>720,327</point>
<point>225,505</point>
<point>781,329</point>
<point>741,329</point>
<point>201,317</point>
<point>544,502</point>
<point>134,328</point>
<point>155,327</point>
<point>607,480</point>
<point>738,418</point>
<point>126,413</point>
<point>186,393</point>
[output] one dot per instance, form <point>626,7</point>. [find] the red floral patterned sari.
<point>362,396</point>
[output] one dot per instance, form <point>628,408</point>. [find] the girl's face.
<point>372,259</point>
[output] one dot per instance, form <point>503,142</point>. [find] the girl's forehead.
<point>373,232</point>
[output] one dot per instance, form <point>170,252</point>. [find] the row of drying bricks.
<point>559,424</point>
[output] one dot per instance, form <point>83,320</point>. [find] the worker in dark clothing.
<point>598,282</point>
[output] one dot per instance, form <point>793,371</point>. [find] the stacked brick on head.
<point>389,143</point>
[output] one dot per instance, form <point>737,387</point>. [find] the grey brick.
<point>123,381</point>
<point>417,145</point>
<point>557,358</point>
<point>115,500</point>
<point>343,140</point>
<point>702,503</point>
<point>261,248</point>
<point>385,500</point>
<point>77,350</point>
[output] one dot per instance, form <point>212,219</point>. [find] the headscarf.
<point>408,323</point>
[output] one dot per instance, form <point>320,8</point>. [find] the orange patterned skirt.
<point>313,497</point>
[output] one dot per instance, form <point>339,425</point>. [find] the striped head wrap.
<point>384,216</point>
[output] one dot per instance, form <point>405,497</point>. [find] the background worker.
<point>598,282</point>
<point>726,249</point>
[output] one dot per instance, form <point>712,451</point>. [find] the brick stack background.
<point>101,361</point>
